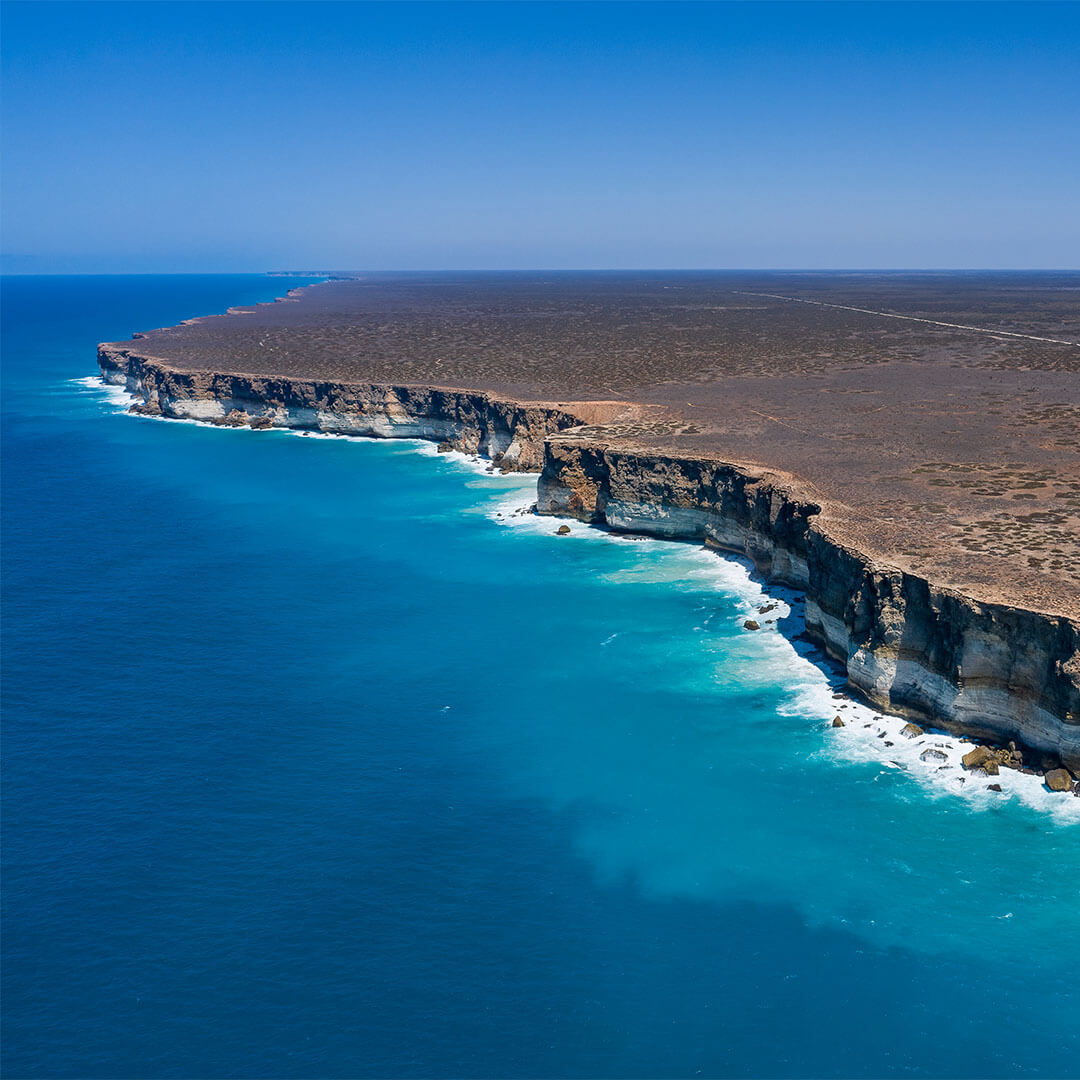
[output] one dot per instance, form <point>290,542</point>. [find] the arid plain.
<point>938,425</point>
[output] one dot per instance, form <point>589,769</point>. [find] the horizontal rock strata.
<point>511,434</point>
<point>984,669</point>
<point>987,670</point>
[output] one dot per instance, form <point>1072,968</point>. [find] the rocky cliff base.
<point>987,670</point>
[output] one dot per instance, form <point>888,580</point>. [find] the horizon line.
<point>562,270</point>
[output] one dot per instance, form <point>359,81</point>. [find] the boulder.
<point>988,759</point>
<point>837,722</point>
<point>993,787</point>
<point>750,625</point>
<point>912,731</point>
<point>563,530</point>
<point>933,755</point>
<point>444,447</point>
<point>1059,780</point>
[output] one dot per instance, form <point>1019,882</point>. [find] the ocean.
<point>321,758</point>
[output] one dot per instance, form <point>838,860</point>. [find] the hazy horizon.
<point>316,272</point>
<point>214,138</point>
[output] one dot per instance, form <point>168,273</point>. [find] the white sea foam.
<point>470,462</point>
<point>816,692</point>
<point>116,396</point>
<point>302,434</point>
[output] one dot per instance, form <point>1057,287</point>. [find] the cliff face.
<point>510,433</point>
<point>985,669</point>
<point>982,669</point>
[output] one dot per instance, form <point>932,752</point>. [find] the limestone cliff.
<point>986,669</point>
<point>510,433</point>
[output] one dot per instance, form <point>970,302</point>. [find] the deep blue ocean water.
<point>314,767</point>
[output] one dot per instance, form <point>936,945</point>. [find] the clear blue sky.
<point>231,137</point>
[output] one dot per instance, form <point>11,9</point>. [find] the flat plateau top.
<point>935,416</point>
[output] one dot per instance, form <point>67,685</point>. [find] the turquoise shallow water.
<point>316,766</point>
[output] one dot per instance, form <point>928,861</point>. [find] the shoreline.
<point>987,670</point>
<point>932,757</point>
<point>936,655</point>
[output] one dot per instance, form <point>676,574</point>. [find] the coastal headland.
<point>903,448</point>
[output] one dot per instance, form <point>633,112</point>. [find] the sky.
<point>222,137</point>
